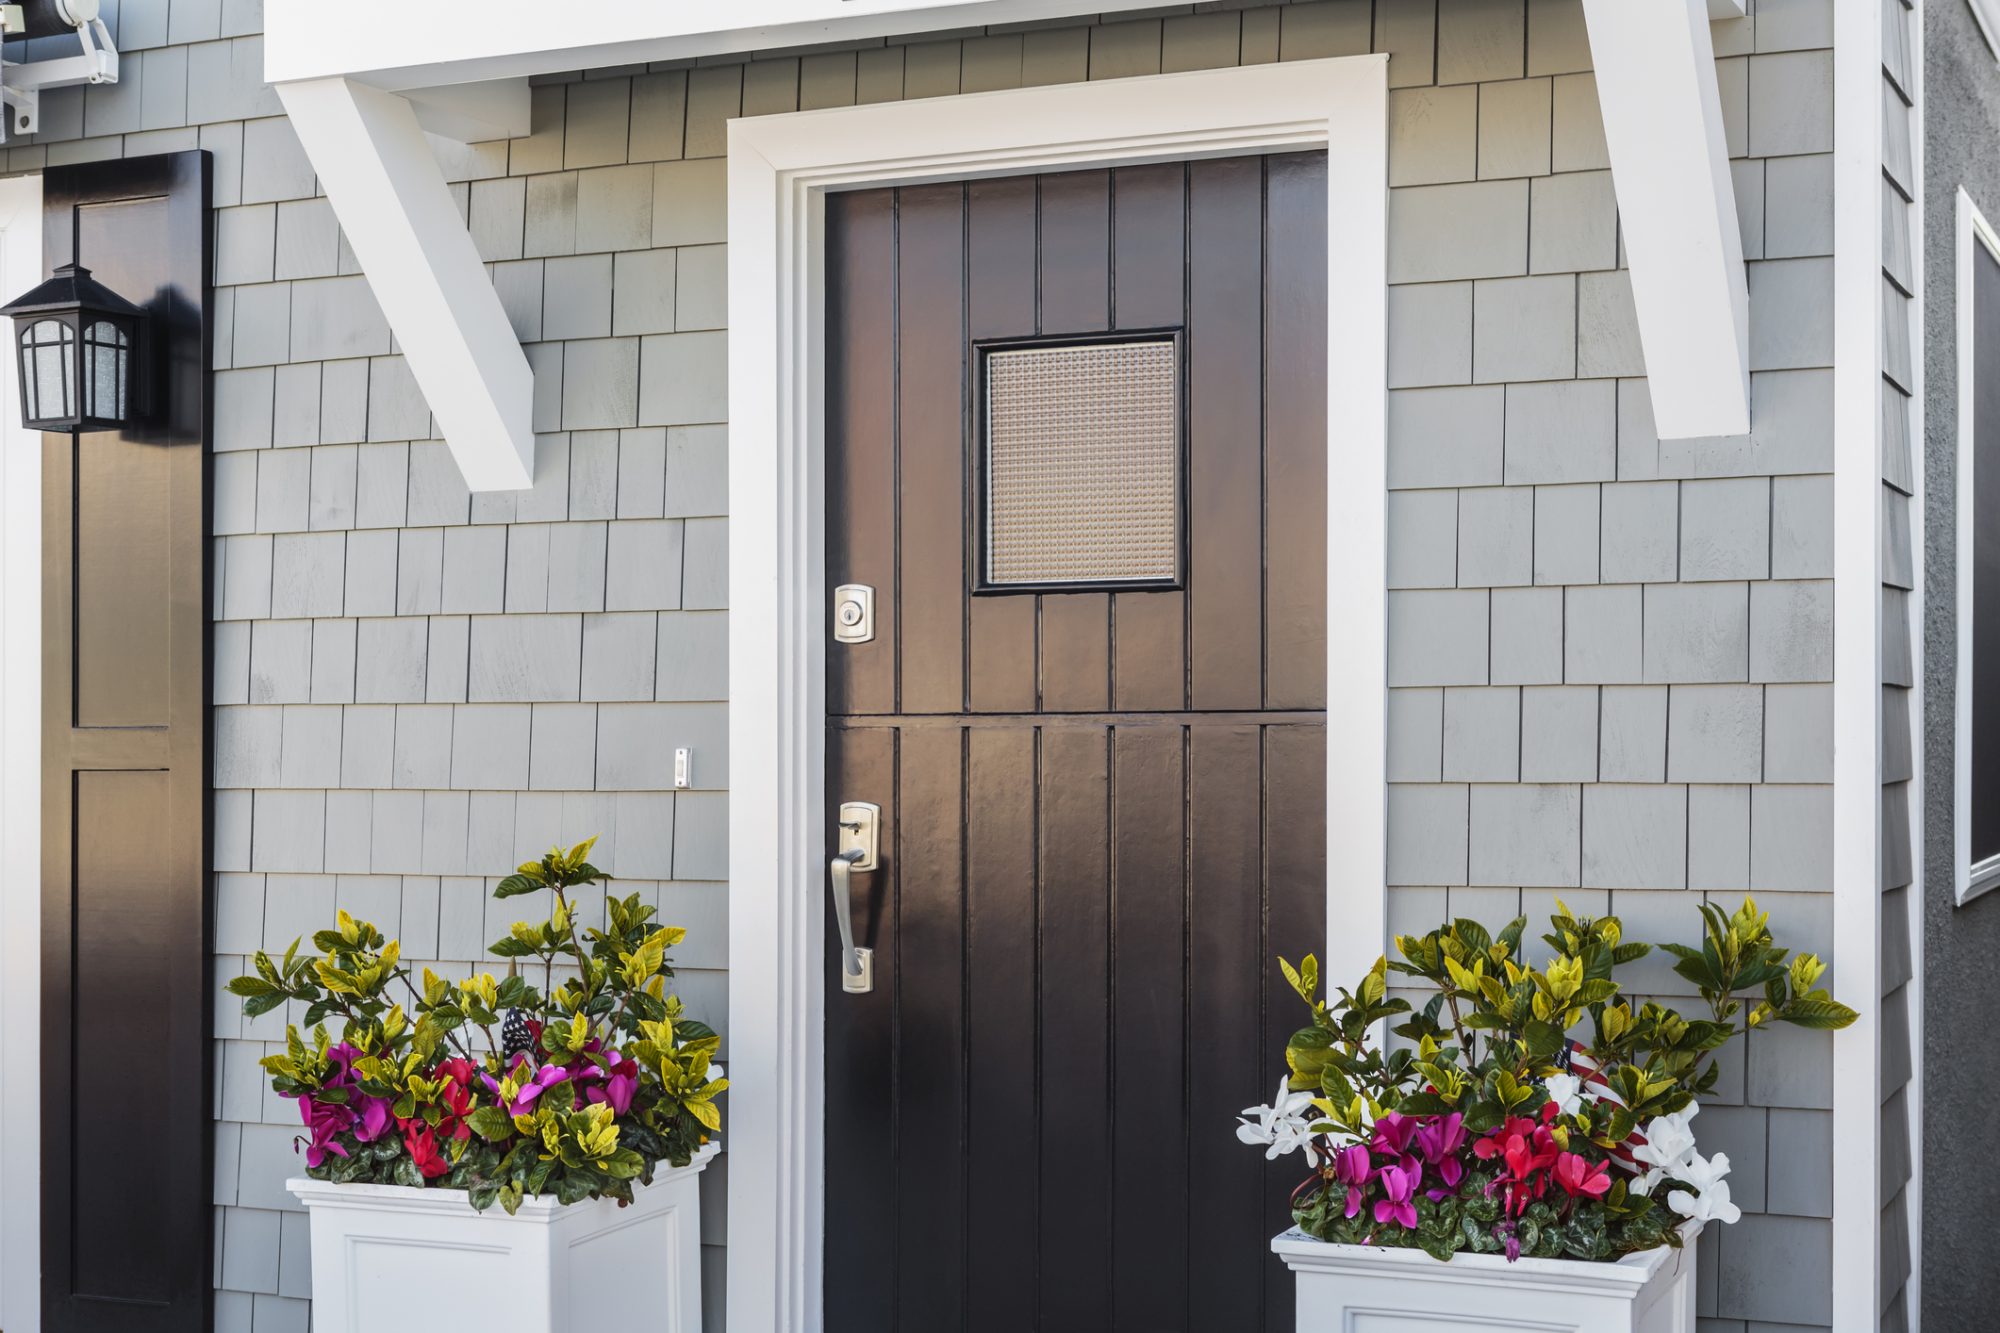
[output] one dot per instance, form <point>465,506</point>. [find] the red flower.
<point>1527,1150</point>
<point>1577,1176</point>
<point>458,1070</point>
<point>456,1101</point>
<point>424,1150</point>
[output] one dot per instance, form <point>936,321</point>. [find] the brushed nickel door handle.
<point>860,823</point>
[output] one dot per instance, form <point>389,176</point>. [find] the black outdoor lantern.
<point>78,343</point>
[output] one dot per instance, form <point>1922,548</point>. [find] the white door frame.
<point>780,171</point>
<point>20,788</point>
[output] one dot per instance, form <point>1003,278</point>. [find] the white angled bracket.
<point>388,191</point>
<point>1656,84</point>
<point>21,85</point>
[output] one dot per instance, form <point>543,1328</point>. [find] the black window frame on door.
<point>978,525</point>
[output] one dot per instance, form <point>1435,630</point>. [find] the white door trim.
<point>20,787</point>
<point>1858,389</point>
<point>780,170</point>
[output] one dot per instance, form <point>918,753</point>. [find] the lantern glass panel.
<point>107,352</point>
<point>48,382</point>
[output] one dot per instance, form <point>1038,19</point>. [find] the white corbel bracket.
<point>1677,210</point>
<point>388,191</point>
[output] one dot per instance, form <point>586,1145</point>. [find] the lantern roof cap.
<point>71,289</point>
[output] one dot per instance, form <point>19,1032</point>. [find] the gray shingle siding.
<point>1607,652</point>
<point>1897,560</point>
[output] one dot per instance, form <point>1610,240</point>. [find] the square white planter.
<point>1369,1289</point>
<point>388,1257</point>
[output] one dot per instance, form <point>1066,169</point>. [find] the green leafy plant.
<point>577,1088</point>
<point>1528,1109</point>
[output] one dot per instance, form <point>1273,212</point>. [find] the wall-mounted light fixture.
<point>78,343</point>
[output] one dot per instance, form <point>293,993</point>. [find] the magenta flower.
<point>374,1118</point>
<point>1440,1142</point>
<point>524,1098</point>
<point>1352,1167</point>
<point>616,1083</point>
<point>340,1059</point>
<point>1393,1133</point>
<point>324,1120</point>
<point>1398,1185</point>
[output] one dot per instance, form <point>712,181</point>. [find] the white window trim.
<point>1968,880</point>
<point>20,787</point>
<point>780,170</point>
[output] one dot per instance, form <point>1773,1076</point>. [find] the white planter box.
<point>1365,1289</point>
<point>388,1257</point>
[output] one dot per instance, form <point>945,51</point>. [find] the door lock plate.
<point>860,826</point>
<point>853,613</point>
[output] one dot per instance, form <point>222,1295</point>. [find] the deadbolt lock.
<point>853,613</point>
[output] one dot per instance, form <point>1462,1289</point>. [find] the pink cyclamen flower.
<point>1352,1166</point>
<point>1440,1142</point>
<point>374,1118</point>
<point>1578,1177</point>
<point>1393,1133</point>
<point>324,1120</point>
<point>616,1083</point>
<point>340,1065</point>
<point>530,1091</point>
<point>1398,1185</point>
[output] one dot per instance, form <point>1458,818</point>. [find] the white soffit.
<point>387,189</point>
<point>1677,207</point>
<point>421,43</point>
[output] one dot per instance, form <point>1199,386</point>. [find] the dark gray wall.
<point>1961,1257</point>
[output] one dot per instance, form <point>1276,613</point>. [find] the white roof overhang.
<point>363,82</point>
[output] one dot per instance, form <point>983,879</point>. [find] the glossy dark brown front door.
<point>1102,809</point>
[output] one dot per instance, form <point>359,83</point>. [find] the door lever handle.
<point>843,869</point>
<point>859,824</point>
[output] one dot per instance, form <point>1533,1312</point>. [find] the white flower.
<point>1566,1091</point>
<point>1282,1126</point>
<point>1668,1140</point>
<point>1709,1201</point>
<point>1669,1143</point>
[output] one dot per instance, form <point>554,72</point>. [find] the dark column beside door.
<point>126,1054</point>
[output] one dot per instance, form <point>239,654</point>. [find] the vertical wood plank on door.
<point>1073,1026</point>
<point>1074,283</point>
<point>860,438</point>
<point>861,1252</point>
<point>1000,303</point>
<point>1149,1024</point>
<point>1295,895</point>
<point>930,336</point>
<point>1149,268</point>
<point>1295,440</point>
<point>1075,242</point>
<point>930,1022</point>
<point>1224,432</point>
<point>1000,1022</point>
<point>1226,961</point>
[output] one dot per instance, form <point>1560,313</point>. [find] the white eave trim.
<point>1677,209</point>
<point>398,44</point>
